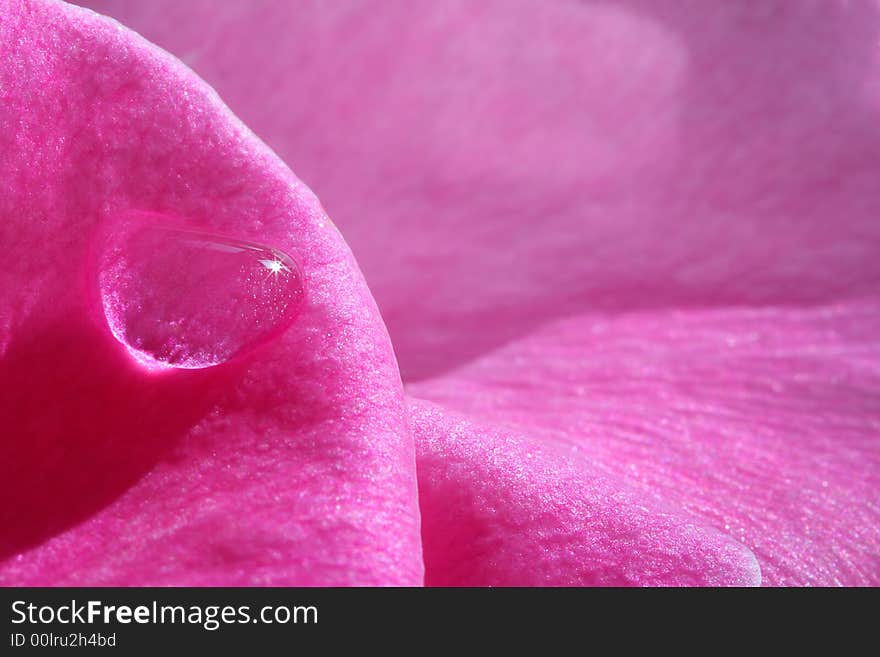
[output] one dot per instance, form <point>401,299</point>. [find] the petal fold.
<point>292,464</point>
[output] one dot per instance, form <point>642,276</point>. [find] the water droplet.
<point>185,299</point>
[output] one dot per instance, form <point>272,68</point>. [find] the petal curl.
<point>293,465</point>
<point>500,509</point>
<point>762,423</point>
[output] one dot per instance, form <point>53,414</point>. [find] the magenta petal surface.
<point>762,423</point>
<point>290,464</point>
<point>689,185</point>
<point>500,509</point>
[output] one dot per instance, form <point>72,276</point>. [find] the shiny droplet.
<point>177,298</point>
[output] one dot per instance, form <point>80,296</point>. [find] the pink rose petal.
<point>762,423</point>
<point>292,464</point>
<point>497,164</point>
<point>496,174</point>
<point>502,510</point>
